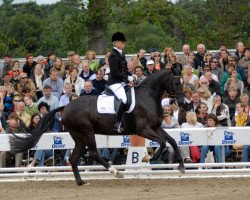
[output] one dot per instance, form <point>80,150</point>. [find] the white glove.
<point>130,79</point>
<point>134,77</point>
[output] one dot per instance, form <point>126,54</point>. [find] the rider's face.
<point>120,44</point>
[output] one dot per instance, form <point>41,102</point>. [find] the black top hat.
<point>118,36</point>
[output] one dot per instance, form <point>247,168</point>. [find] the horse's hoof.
<point>80,183</point>
<point>119,175</point>
<point>181,168</point>
<point>146,158</point>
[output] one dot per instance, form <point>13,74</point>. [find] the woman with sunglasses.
<point>215,68</point>
<point>26,86</point>
<point>16,99</point>
<point>157,59</point>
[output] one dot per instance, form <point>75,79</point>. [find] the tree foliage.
<point>81,25</point>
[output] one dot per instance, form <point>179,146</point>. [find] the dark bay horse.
<point>82,121</point>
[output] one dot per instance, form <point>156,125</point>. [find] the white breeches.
<point>119,91</point>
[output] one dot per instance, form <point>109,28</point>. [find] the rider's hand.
<point>130,78</point>
<point>131,84</point>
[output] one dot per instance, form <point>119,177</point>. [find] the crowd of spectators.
<point>216,88</point>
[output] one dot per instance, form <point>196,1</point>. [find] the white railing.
<point>205,170</point>
<point>205,136</point>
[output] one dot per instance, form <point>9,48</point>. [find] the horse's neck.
<point>153,90</point>
<point>150,98</point>
<point>156,87</point>
<point>156,93</point>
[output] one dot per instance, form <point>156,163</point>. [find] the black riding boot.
<point>118,117</point>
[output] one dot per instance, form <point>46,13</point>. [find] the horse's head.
<point>164,80</point>
<point>173,86</point>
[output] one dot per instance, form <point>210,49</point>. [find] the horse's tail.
<point>18,144</point>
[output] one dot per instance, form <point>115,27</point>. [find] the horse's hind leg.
<point>77,151</point>
<point>93,153</point>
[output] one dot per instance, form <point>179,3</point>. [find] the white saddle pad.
<point>105,104</point>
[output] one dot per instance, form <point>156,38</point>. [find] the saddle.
<point>107,101</point>
<point>107,91</point>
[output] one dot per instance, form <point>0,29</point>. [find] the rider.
<point>119,75</point>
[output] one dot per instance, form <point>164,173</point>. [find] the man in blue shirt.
<point>88,89</point>
<point>64,99</point>
<point>55,82</point>
<point>49,98</point>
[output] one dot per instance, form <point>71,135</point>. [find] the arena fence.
<point>184,137</point>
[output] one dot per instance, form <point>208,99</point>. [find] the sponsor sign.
<point>185,139</point>
<point>58,144</point>
<point>228,138</point>
<point>126,141</point>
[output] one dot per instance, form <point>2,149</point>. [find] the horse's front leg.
<point>162,137</point>
<point>150,134</point>
<point>173,143</point>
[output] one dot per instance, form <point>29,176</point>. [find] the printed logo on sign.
<point>58,142</point>
<point>154,144</point>
<point>126,141</point>
<point>185,139</point>
<point>228,138</point>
